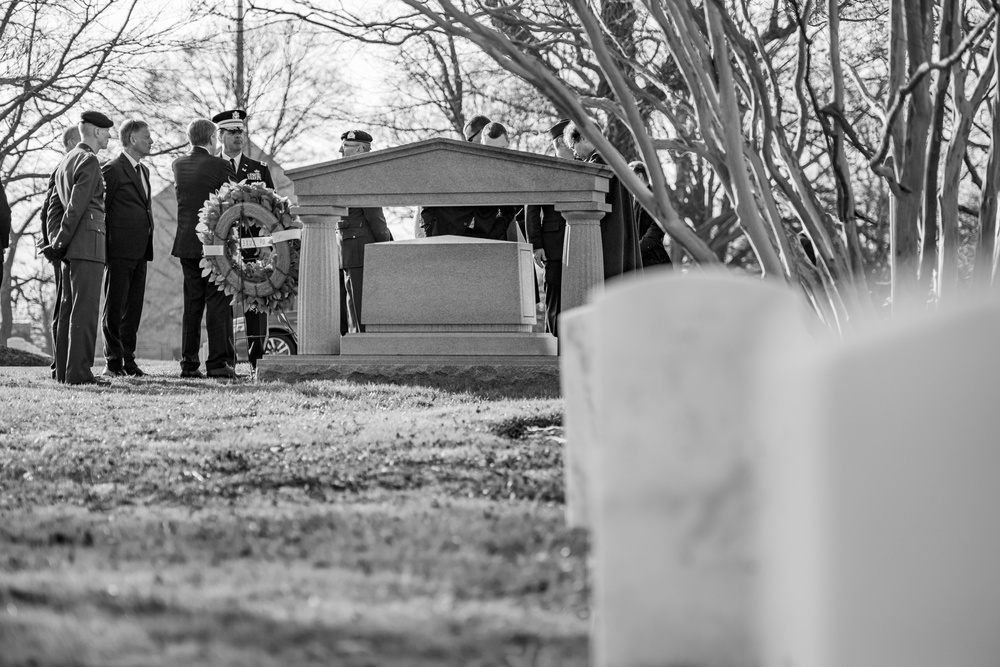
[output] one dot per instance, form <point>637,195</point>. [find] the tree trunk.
<point>909,157</point>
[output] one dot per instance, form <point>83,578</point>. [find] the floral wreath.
<point>268,283</point>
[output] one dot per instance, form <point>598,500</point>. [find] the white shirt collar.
<point>132,160</point>
<point>235,158</point>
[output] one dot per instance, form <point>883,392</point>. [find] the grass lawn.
<point>191,522</point>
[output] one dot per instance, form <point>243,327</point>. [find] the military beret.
<point>96,118</point>
<point>230,120</point>
<point>356,135</point>
<point>556,130</point>
<point>474,126</point>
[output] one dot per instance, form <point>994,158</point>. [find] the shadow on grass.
<point>44,628</point>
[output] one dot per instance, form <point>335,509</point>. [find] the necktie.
<point>233,162</point>
<point>145,179</point>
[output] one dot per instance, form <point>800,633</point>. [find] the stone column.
<point>319,288</point>
<point>583,257</point>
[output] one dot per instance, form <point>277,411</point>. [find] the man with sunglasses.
<point>232,137</point>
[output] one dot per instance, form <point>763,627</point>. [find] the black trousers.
<point>79,313</point>
<point>203,297</point>
<point>256,324</point>
<point>354,283</point>
<point>124,290</point>
<point>553,294</point>
<point>57,272</point>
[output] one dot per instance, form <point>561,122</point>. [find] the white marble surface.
<point>880,543</point>
<point>677,365</point>
<point>580,417</point>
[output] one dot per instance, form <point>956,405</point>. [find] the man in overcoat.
<point>619,231</point>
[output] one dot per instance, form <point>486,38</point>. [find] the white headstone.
<point>676,369</point>
<point>576,376</point>
<point>880,537</point>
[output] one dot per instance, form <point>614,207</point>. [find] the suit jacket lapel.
<point>135,176</point>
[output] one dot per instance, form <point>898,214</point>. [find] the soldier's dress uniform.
<point>361,226</point>
<point>252,171</point>
<point>77,236</point>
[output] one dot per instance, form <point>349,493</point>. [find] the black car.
<point>281,338</point>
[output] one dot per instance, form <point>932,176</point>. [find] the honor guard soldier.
<point>76,232</point>
<point>232,136</point>
<point>361,227</point>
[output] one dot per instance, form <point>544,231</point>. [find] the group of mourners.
<point>97,231</point>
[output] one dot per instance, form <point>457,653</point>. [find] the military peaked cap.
<point>230,120</point>
<point>356,135</point>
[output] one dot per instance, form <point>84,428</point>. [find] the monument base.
<point>449,344</point>
<point>536,375</point>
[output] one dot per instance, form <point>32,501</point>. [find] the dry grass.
<point>181,522</point>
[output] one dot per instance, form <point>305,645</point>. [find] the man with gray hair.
<point>196,176</point>
<point>127,201</point>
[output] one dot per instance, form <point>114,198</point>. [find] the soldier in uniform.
<point>232,137</point>
<point>361,227</point>
<point>77,241</point>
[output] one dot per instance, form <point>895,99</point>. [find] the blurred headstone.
<point>880,543</point>
<point>675,373</point>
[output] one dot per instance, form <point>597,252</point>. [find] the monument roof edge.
<point>440,144</point>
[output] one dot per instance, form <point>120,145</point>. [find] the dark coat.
<point>361,227</point>
<point>650,238</point>
<point>4,219</point>
<point>546,230</point>
<point>619,231</point>
<point>490,221</point>
<point>129,213</point>
<point>196,176</point>
<point>78,231</point>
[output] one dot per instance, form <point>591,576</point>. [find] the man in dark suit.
<point>197,175</point>
<point>619,230</point>
<point>129,221</point>
<point>546,230</point>
<point>77,238</point>
<point>52,207</point>
<point>232,136</point>
<point>361,227</point>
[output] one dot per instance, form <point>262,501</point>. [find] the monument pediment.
<point>446,172</point>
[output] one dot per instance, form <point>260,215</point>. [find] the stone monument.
<point>438,172</point>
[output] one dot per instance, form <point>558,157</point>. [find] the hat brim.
<point>230,124</point>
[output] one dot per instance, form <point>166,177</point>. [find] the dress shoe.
<point>224,372</point>
<point>112,373</point>
<point>193,374</point>
<point>135,372</point>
